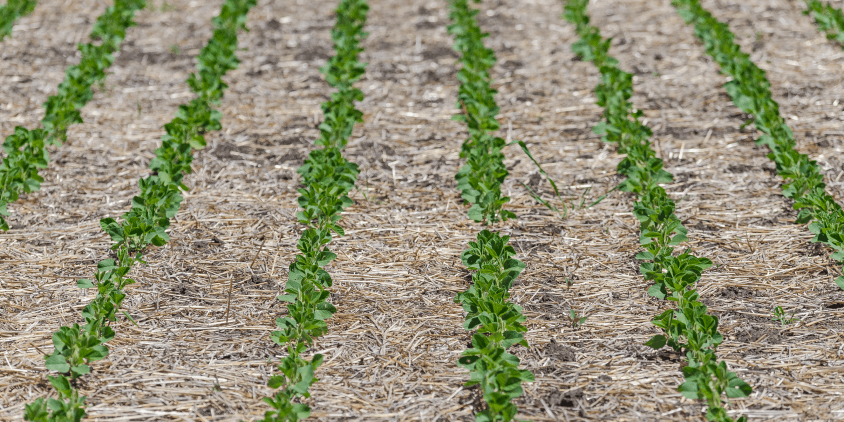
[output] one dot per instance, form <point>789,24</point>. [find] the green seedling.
<point>689,327</point>
<point>328,178</point>
<point>576,321</point>
<point>10,12</point>
<point>77,346</point>
<point>481,177</point>
<point>174,49</point>
<point>828,19</point>
<point>780,316</point>
<point>750,91</point>
<point>498,323</point>
<point>26,150</point>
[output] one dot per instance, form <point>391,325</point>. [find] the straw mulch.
<point>205,305</point>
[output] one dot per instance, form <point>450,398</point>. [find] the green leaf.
<point>689,390</point>
<point>656,342</point>
<point>738,388</point>
<point>476,213</point>
<point>322,315</point>
<point>57,363</point>
<point>85,284</point>
<point>61,384</point>
<point>644,255</point>
<point>317,360</point>
<point>80,369</point>
<point>129,317</point>
<point>287,298</point>
<point>678,239</point>
<point>656,291</point>
<point>276,381</point>
<point>839,281</point>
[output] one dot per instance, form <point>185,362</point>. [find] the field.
<point>205,304</point>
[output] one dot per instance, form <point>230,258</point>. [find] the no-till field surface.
<point>392,347</point>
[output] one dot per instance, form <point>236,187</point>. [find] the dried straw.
<point>392,348</point>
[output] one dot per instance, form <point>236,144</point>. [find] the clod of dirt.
<point>512,64</point>
<point>230,151</point>
<point>293,155</point>
<point>475,399</point>
<point>255,280</point>
<point>733,292</point>
<point>467,276</point>
<point>669,355</point>
<point>181,289</point>
<point>292,140</point>
<point>565,398</point>
<point>273,25</point>
<point>313,53</point>
<point>815,249</point>
<point>756,333</point>
<point>740,168</point>
<point>823,143</point>
<point>534,181</point>
<point>560,352</point>
<point>427,25</point>
<point>554,229</point>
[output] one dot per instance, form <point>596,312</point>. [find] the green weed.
<point>575,320</point>
<point>780,316</point>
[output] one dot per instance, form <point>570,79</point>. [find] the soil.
<point>201,349</point>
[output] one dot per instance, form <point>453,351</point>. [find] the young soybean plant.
<point>77,346</point>
<point>497,322</point>
<point>828,19</point>
<point>27,149</point>
<point>688,328</point>
<point>11,12</point>
<point>328,178</point>
<point>481,177</point>
<point>751,92</point>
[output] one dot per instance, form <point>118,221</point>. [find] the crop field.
<point>370,210</point>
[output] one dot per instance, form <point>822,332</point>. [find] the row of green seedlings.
<point>829,20</point>
<point>687,328</point>
<point>27,149</point>
<point>77,346</point>
<point>498,323</point>
<point>751,92</point>
<point>328,178</point>
<point>11,12</point>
